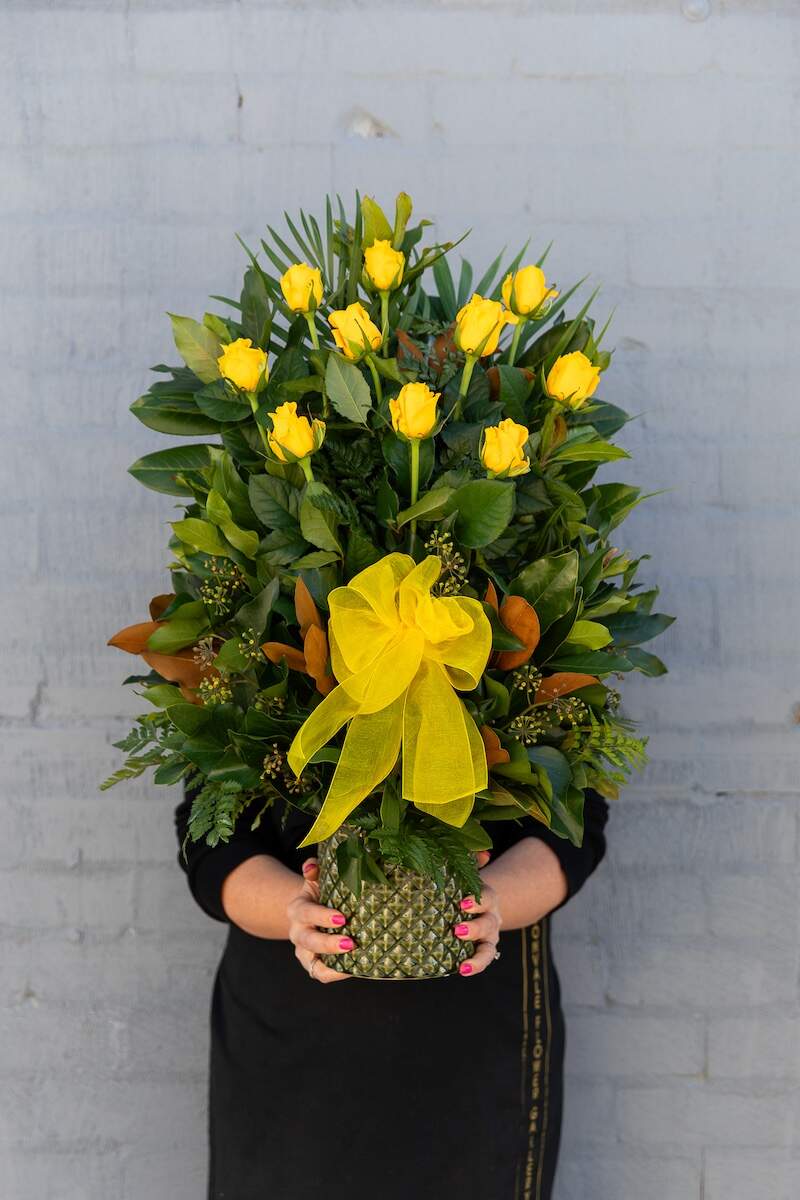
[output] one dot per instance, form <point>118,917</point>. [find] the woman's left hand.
<point>483,929</point>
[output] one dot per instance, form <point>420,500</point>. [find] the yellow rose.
<point>293,435</point>
<point>302,287</point>
<point>501,453</point>
<point>353,331</point>
<point>479,325</point>
<point>573,379</point>
<point>526,290</point>
<point>243,363</point>
<point>414,410</point>
<point>384,266</point>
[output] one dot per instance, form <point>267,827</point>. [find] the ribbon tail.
<point>456,812</point>
<point>370,750</point>
<point>443,755</point>
<point>324,722</point>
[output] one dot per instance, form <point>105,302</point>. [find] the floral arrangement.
<point>395,601</point>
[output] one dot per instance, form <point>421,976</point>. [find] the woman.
<point>376,1090</point>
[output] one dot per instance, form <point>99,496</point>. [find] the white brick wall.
<point>660,154</point>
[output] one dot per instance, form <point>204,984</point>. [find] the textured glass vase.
<point>403,930</point>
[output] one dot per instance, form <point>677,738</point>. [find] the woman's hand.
<point>305,915</point>
<point>484,928</point>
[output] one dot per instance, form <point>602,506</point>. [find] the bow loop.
<point>398,653</point>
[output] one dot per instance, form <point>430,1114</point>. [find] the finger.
<point>305,937</point>
<point>480,929</point>
<point>487,902</point>
<point>310,869</point>
<point>306,911</point>
<point>481,959</point>
<point>481,858</point>
<point>322,974</point>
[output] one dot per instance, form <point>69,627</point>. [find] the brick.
<point>626,1175</point>
<point>696,1114</point>
<point>760,1046</point>
<point>742,1175</point>
<point>761,908</point>
<point>611,1044</point>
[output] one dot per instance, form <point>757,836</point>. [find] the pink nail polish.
<point>465,969</point>
<point>467,902</point>
<point>338,920</point>
<point>346,944</point>
<point>307,866</point>
<point>462,930</point>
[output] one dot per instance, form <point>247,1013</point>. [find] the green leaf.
<point>648,664</point>
<point>402,213</point>
<point>255,308</point>
<point>230,656</point>
<point>219,511</point>
<point>160,471</point>
<point>318,525</point>
<point>189,718</point>
<point>554,764</point>
<point>593,662</point>
<point>315,560</point>
<point>500,696</point>
<point>275,502</point>
<point>431,506</point>
<point>579,448</point>
<point>198,347</point>
<point>566,815</point>
<point>175,413</point>
<point>590,634</point>
<point>177,634</point>
<point>230,767</point>
<point>220,402</point>
<point>282,546</point>
<point>255,613</point>
<point>549,584</point>
<point>360,553</point>
<point>376,226</point>
<point>630,629</point>
<point>484,508</point>
<point>201,535</point>
<point>515,388</point>
<point>348,390</point>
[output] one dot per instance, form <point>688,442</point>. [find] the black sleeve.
<point>577,862</point>
<point>208,867</point>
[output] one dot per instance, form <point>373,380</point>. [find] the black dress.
<point>375,1090</point>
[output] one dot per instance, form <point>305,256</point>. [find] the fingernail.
<point>465,969</point>
<point>338,919</point>
<point>307,866</point>
<point>467,902</point>
<point>346,944</point>
<point>462,930</point>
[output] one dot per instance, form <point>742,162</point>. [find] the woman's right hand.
<point>307,917</point>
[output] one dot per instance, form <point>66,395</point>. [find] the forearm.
<point>256,895</point>
<point>529,882</point>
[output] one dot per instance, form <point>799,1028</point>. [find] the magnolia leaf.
<point>549,584</point>
<point>562,684</point>
<point>165,470</point>
<point>520,618</point>
<point>275,502</point>
<point>198,346</point>
<point>348,390</point>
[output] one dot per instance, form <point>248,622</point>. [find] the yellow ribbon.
<point>398,653</point>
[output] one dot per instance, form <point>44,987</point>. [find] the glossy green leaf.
<point>549,584</point>
<point>429,507</point>
<point>173,413</point>
<point>161,471</point>
<point>348,390</point>
<point>483,509</point>
<point>198,346</point>
<point>201,535</point>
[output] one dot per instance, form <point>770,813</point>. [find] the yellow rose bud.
<point>292,435</point>
<point>302,287</point>
<point>501,452</point>
<point>526,290</point>
<point>243,363</point>
<point>353,331</point>
<point>384,265</point>
<point>479,325</point>
<point>414,410</point>
<point>573,379</point>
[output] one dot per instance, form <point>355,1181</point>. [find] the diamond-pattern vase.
<point>403,930</point>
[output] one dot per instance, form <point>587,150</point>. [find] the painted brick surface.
<point>656,143</point>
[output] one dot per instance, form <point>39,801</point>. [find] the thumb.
<point>481,858</point>
<point>310,870</point>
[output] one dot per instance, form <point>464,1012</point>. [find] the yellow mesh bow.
<point>398,653</point>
